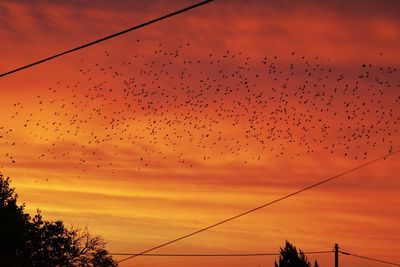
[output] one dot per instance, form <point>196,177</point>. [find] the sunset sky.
<point>175,126</point>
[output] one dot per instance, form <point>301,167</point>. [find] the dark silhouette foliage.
<point>291,258</point>
<point>27,241</point>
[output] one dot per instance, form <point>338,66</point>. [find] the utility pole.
<point>336,255</point>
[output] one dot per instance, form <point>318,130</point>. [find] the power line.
<point>262,206</point>
<point>369,258</point>
<point>214,255</point>
<point>107,37</point>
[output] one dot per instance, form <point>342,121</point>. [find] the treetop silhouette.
<point>27,241</point>
<point>291,258</point>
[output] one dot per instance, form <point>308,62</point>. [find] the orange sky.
<point>178,125</point>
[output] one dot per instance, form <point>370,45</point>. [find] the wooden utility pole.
<point>336,255</point>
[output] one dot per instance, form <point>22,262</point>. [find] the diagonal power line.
<point>369,258</point>
<point>263,206</point>
<point>107,37</point>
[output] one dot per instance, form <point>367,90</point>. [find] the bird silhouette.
<point>169,103</point>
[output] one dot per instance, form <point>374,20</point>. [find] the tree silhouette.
<point>27,241</point>
<point>291,258</point>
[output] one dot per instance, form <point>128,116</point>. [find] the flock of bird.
<point>194,108</point>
